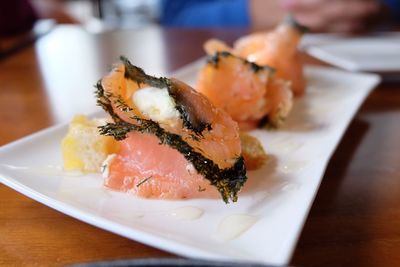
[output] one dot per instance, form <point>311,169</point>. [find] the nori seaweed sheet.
<point>216,57</point>
<point>289,19</point>
<point>228,181</point>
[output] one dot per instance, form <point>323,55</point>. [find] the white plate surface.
<point>277,197</point>
<point>376,54</point>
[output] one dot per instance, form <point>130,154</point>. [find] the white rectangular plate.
<point>376,54</point>
<point>274,203</point>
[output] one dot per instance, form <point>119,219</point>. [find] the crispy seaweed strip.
<point>214,60</point>
<point>138,75</point>
<point>228,181</point>
<point>191,120</point>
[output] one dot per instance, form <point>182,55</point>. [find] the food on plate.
<point>83,148</point>
<point>162,140</point>
<point>277,48</point>
<point>252,151</point>
<point>250,93</point>
<point>173,143</point>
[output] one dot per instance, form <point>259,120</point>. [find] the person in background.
<point>317,15</point>
<point>343,15</point>
<point>18,16</point>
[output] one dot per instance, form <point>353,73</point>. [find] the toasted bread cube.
<point>252,151</point>
<point>83,148</point>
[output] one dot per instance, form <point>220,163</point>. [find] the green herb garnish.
<point>144,180</point>
<point>215,59</point>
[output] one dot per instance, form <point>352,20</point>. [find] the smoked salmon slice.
<point>249,92</point>
<point>256,79</point>
<point>279,49</point>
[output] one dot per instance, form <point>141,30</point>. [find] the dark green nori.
<point>138,75</point>
<point>228,181</point>
<point>214,60</point>
<point>191,120</point>
<point>263,122</point>
<point>293,22</point>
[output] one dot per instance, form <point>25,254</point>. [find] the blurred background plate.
<point>379,53</point>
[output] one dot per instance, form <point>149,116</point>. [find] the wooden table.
<point>354,221</point>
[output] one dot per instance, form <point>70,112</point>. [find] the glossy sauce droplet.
<point>291,146</point>
<point>186,213</point>
<point>233,226</point>
<point>290,187</point>
<point>293,166</point>
<point>320,110</point>
<point>287,145</point>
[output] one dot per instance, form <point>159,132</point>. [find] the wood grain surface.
<point>355,218</point>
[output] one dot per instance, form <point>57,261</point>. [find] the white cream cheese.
<point>156,104</point>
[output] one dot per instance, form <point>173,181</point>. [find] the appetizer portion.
<point>277,48</point>
<point>255,80</point>
<point>173,143</point>
<point>249,92</point>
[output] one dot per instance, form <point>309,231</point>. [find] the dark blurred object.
<point>394,9</point>
<point>16,17</point>
<point>125,14</point>
<point>13,44</point>
<point>390,77</point>
<point>170,262</point>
